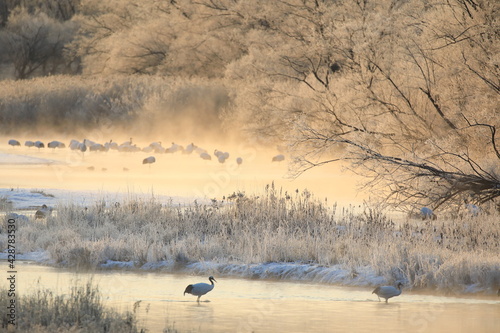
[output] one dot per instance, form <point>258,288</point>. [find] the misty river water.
<point>243,305</point>
<point>172,175</point>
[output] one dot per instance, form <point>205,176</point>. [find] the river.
<point>244,305</point>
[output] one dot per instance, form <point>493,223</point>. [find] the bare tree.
<point>35,43</point>
<point>174,38</point>
<point>406,93</point>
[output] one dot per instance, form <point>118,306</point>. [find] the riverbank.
<point>277,235</point>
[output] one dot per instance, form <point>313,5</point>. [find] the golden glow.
<point>175,174</point>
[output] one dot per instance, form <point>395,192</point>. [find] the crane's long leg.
<point>198,300</point>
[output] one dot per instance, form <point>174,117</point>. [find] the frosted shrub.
<point>80,310</point>
<point>275,227</point>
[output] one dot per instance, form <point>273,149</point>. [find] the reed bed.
<point>81,310</point>
<point>274,227</point>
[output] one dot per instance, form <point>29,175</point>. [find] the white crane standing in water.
<point>387,291</point>
<point>200,289</point>
<point>56,144</point>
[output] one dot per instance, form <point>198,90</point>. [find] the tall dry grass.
<point>76,106</point>
<point>276,226</point>
<point>81,310</point>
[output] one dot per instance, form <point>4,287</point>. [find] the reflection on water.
<point>238,305</point>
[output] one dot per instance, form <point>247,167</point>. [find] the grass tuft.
<point>79,311</point>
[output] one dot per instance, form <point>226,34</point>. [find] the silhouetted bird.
<point>14,143</point>
<point>278,158</point>
<point>387,292</point>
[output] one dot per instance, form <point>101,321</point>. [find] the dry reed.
<point>276,227</point>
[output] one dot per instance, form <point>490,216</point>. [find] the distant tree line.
<point>34,38</point>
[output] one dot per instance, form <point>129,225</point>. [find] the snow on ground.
<point>335,274</point>
<point>37,256</point>
<point>311,273</point>
<point>29,199</point>
<point>292,271</point>
<point>14,159</point>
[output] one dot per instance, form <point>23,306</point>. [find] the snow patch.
<point>336,274</point>
<point>118,264</point>
<point>14,159</point>
<point>29,199</point>
<point>36,256</point>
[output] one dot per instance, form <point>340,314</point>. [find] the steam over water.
<point>176,174</point>
<point>305,300</point>
<point>211,102</point>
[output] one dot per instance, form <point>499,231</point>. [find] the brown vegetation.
<point>406,93</point>
<point>447,254</point>
<point>81,310</point>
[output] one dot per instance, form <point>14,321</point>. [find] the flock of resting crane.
<point>128,146</point>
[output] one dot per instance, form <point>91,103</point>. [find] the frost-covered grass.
<point>292,229</point>
<point>81,310</point>
<point>5,204</point>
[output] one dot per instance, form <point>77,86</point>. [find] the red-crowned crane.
<point>43,212</point>
<point>200,289</point>
<point>56,144</point>
<point>387,291</point>
<point>278,158</point>
<point>149,160</point>
<point>14,143</point>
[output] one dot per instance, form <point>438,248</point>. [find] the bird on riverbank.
<point>200,289</point>
<point>43,212</point>
<point>427,214</point>
<point>387,291</point>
